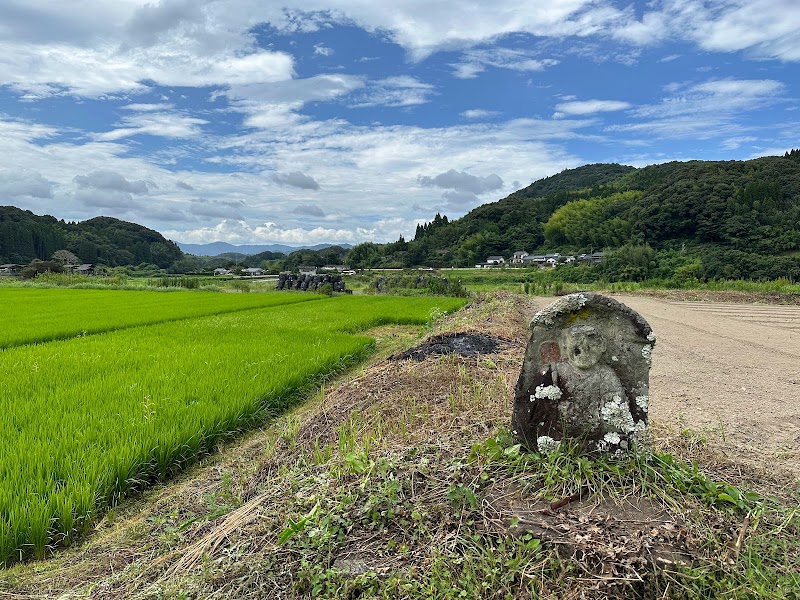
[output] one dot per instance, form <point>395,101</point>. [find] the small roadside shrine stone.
<point>585,377</point>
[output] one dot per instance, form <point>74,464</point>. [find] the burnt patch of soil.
<point>463,344</point>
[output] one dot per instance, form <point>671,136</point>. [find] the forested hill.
<point>732,218</point>
<point>25,236</point>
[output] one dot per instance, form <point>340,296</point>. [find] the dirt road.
<point>732,370</point>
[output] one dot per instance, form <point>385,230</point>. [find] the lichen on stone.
<point>643,402</point>
<point>551,392</point>
<point>547,444</point>
<point>651,337</point>
<point>567,304</point>
<point>647,352</point>
<point>616,415</point>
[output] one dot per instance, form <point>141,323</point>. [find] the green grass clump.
<point>83,421</point>
<point>33,315</point>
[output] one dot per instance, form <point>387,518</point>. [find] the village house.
<point>10,269</point>
<point>85,269</point>
<point>336,268</point>
<point>253,272</point>
<point>518,257</point>
<point>222,271</point>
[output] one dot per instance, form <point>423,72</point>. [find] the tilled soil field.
<point>729,370</point>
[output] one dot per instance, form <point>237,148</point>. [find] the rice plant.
<point>87,419</point>
<point>32,315</point>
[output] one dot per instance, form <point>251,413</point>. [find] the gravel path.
<point>733,369</point>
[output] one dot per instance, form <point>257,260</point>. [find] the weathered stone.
<point>585,377</point>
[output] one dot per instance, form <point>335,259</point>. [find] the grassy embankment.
<point>84,420</point>
<point>557,281</point>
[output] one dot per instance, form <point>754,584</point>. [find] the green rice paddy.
<point>31,315</point>
<point>86,419</point>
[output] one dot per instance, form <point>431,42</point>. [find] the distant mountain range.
<point>218,248</point>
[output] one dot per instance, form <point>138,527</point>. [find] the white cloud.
<point>312,210</point>
<point>162,124</point>
<point>46,70</point>
<point>296,179</point>
<point>322,50</point>
<point>459,199</point>
<point>719,96</point>
<point>148,107</point>
<point>736,142</point>
<point>24,183</point>
<point>474,62</point>
<point>109,180</point>
<point>462,182</point>
<point>768,28</point>
<point>395,92</point>
<point>53,48</point>
<point>479,113</point>
<point>98,198</point>
<point>202,207</point>
<point>588,107</point>
<point>706,110</point>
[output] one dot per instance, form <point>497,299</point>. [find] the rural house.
<point>253,272</point>
<point>518,257</point>
<point>10,269</point>
<point>85,269</point>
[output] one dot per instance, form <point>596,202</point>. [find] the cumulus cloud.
<point>24,183</point>
<point>322,50</point>
<point>112,181</point>
<point>183,185</point>
<point>296,179</point>
<point>241,232</point>
<point>238,231</point>
<point>588,107</point>
<point>309,209</point>
<point>461,181</point>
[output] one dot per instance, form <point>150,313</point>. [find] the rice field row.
<point>84,420</point>
<point>32,315</point>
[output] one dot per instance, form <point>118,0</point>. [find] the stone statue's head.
<point>584,346</point>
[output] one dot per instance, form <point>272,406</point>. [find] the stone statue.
<point>585,377</point>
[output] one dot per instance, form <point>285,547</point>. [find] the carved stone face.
<point>584,346</point>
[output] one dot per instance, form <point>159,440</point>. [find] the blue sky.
<point>308,121</point>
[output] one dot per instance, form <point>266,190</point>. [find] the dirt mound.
<point>463,344</point>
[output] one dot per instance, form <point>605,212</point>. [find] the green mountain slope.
<point>25,236</point>
<point>732,218</point>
